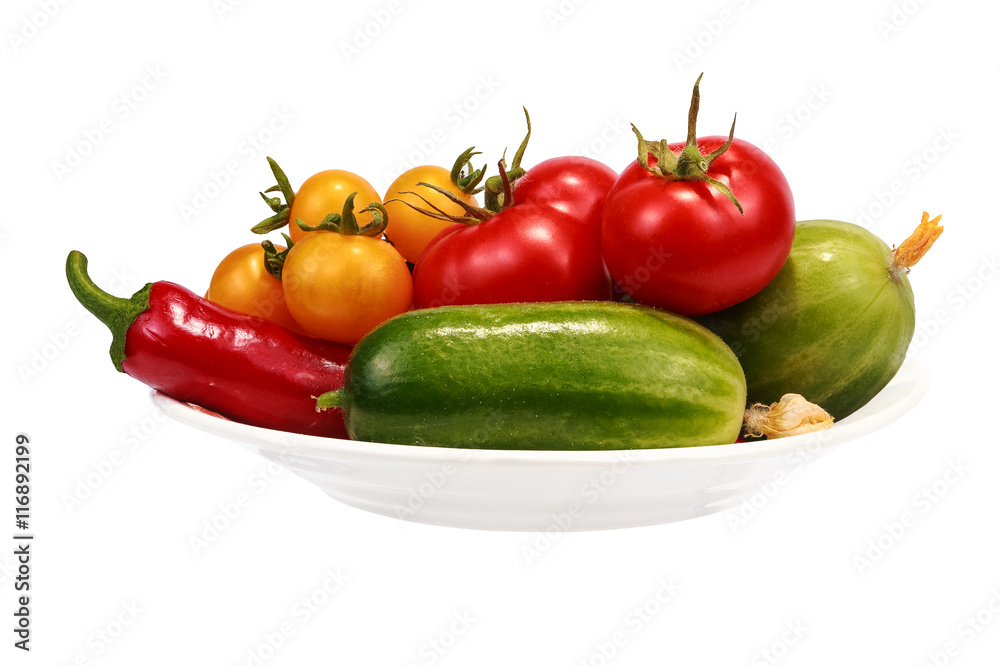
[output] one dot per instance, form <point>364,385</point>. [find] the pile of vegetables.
<point>675,303</point>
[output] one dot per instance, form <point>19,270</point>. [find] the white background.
<point>118,115</point>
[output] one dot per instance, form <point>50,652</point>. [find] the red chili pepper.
<point>241,367</point>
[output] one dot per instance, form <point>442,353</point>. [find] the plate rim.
<point>287,443</point>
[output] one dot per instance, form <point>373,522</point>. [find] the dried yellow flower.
<point>915,247</point>
<point>792,415</point>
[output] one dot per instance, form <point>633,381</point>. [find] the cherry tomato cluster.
<point>691,227</point>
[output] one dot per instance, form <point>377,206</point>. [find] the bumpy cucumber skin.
<point>831,326</point>
<point>562,376</point>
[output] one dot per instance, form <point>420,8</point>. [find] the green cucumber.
<point>833,326</point>
<point>566,376</point>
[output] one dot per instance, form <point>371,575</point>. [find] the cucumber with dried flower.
<point>835,323</point>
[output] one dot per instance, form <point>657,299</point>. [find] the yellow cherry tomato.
<point>410,230</point>
<point>324,193</point>
<point>242,283</point>
<point>338,287</point>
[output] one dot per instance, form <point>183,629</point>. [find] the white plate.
<point>550,490</point>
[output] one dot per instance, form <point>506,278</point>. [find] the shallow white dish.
<point>549,490</point>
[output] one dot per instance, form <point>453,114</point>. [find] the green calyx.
<point>472,215</point>
<point>346,223</point>
<point>497,190</point>
<point>690,163</point>
<point>118,314</point>
<point>465,176</point>
<point>274,259</point>
<point>281,209</point>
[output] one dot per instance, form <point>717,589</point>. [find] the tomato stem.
<point>507,190</point>
<point>690,163</point>
<point>281,210</point>
<point>692,137</point>
<point>283,184</point>
<point>467,180</point>
<point>347,223</point>
<point>473,214</point>
<point>274,260</point>
<point>494,195</point>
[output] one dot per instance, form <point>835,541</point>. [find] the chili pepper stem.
<point>117,313</point>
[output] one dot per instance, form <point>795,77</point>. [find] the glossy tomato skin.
<point>409,229</point>
<point>325,192</point>
<point>338,287</point>
<point>526,253</point>
<point>576,185</point>
<point>240,282</point>
<point>683,246</point>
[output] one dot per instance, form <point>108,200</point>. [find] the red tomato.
<point>575,185</point>
<point>526,253</point>
<point>683,245</point>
